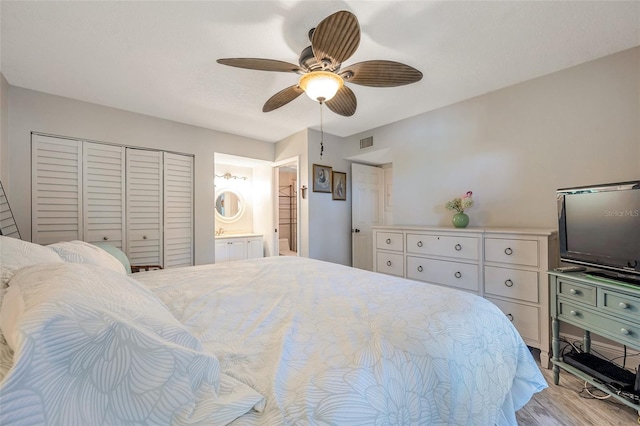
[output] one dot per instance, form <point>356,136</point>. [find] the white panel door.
<point>366,211</point>
<point>144,207</point>
<point>178,210</point>
<point>103,187</point>
<point>56,189</point>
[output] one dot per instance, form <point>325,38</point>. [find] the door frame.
<point>276,202</point>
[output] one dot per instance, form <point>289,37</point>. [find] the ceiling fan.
<point>333,41</point>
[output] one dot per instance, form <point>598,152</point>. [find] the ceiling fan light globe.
<point>321,86</point>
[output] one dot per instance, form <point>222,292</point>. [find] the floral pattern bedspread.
<point>329,344</point>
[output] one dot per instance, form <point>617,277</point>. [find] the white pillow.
<point>16,254</point>
<point>93,346</point>
<point>83,252</point>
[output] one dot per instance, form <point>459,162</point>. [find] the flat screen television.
<point>599,227</point>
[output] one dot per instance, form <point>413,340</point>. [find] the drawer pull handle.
<point>508,283</point>
<point>624,331</point>
<point>573,291</point>
<point>458,275</point>
<point>105,238</point>
<point>508,251</point>
<point>144,237</point>
<point>574,313</point>
<point>510,317</point>
<point>388,241</point>
<point>420,268</point>
<point>458,247</point>
<point>388,263</point>
<point>419,244</point>
<point>623,305</point>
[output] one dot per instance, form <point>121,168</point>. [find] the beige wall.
<point>4,131</point>
<point>514,147</point>
<point>33,111</point>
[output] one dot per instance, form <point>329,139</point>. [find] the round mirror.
<point>229,205</point>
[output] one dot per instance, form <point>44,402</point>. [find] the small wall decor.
<point>339,182</point>
<point>321,178</point>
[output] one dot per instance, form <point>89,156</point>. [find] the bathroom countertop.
<point>244,235</point>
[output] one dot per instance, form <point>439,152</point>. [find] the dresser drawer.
<point>620,304</point>
<point>525,318</point>
<point>578,292</point>
<point>389,241</point>
<point>514,252</point>
<point>454,274</point>
<point>443,245</point>
<point>511,283</point>
<point>622,331</point>
<point>390,263</point>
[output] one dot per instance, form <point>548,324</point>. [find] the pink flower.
<point>468,194</point>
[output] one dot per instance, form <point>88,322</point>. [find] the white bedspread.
<point>328,344</point>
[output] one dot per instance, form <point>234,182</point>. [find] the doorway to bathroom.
<point>287,201</point>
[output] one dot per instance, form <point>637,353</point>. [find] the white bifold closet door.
<point>144,206</point>
<point>103,186</point>
<point>139,200</point>
<point>56,194</point>
<point>178,210</point>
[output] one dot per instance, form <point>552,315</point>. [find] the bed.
<point>278,340</point>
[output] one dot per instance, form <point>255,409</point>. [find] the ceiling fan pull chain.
<point>321,132</point>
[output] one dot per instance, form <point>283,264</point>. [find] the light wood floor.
<point>563,405</point>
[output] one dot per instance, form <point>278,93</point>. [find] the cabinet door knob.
<point>458,247</point>
<point>420,268</point>
<point>574,313</point>
<point>573,291</point>
<point>623,305</point>
<point>458,274</point>
<point>508,251</point>
<point>388,263</point>
<point>508,283</point>
<point>388,241</point>
<point>419,244</point>
<point>510,317</point>
<point>105,238</point>
<point>624,331</point>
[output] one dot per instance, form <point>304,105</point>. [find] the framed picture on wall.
<point>339,185</point>
<point>321,178</point>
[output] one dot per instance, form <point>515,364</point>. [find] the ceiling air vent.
<point>366,142</point>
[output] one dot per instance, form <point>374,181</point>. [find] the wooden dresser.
<point>507,266</point>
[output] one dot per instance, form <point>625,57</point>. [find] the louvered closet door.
<point>178,210</point>
<point>144,206</point>
<point>56,189</point>
<point>103,194</point>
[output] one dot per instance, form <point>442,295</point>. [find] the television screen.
<point>599,226</point>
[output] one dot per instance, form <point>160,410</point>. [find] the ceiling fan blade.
<point>336,38</point>
<point>281,98</point>
<point>261,64</point>
<point>380,74</point>
<point>343,103</point>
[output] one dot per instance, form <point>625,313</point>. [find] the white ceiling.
<point>159,58</point>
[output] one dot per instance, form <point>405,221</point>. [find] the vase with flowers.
<point>460,204</point>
